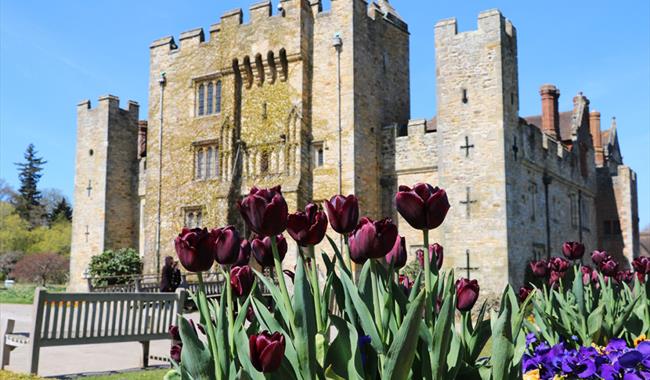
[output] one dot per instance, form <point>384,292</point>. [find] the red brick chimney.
<point>142,138</point>
<point>550,113</point>
<point>594,128</point>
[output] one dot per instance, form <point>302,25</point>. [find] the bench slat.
<point>46,319</point>
<point>55,320</point>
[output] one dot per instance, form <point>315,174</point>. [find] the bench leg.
<point>34,352</point>
<point>6,349</point>
<point>145,354</point>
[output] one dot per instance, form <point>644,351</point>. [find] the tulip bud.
<point>244,256</point>
<point>524,292</point>
<point>424,207</point>
<point>263,251</point>
<point>405,283</point>
<point>227,244</point>
<point>589,275</point>
<point>307,228</point>
<point>466,294</point>
<point>267,351</point>
<point>641,264</point>
<point>241,280</point>
<point>372,240</point>
<point>599,256</point>
<point>265,211</point>
<point>194,249</point>
<point>436,252</point>
<point>625,277</point>
<point>558,264</point>
<point>343,213</point>
<point>573,250</point>
<point>397,254</point>
<point>539,268</point>
<point>609,267</point>
<point>174,333</point>
<point>175,352</point>
<point>555,277</point>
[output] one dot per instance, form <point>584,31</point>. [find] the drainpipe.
<point>162,82</point>
<point>338,44</point>
<point>547,181</point>
<point>580,215</point>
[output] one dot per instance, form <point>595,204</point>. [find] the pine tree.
<point>28,204</point>
<point>61,210</point>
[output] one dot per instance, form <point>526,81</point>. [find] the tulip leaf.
<point>304,322</point>
<point>172,375</point>
<point>277,298</point>
<point>502,345</point>
<point>331,375</point>
<point>365,317</point>
<point>195,356</point>
<point>442,336</point>
<point>337,252</point>
<point>401,353</point>
<point>223,346</point>
<point>364,284</point>
<point>343,356</point>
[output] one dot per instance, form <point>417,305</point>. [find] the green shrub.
<point>114,267</point>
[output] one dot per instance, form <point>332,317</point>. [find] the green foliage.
<point>24,293</point>
<point>61,211</point>
<point>113,267</point>
<point>8,262</point>
<point>16,235</point>
<point>28,203</point>
<point>595,313</point>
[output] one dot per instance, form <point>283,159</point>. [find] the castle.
<point>318,101</point>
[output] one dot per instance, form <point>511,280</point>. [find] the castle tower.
<point>106,177</point>
<point>477,102</point>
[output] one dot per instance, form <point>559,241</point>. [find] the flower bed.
<point>378,323</point>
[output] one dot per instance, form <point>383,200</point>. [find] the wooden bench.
<point>62,319</point>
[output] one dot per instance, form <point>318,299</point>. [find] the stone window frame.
<point>204,104</point>
<point>206,161</point>
<point>318,154</point>
<point>188,212</point>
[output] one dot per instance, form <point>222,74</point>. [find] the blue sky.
<point>55,53</point>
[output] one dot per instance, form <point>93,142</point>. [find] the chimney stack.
<point>594,128</point>
<point>142,138</point>
<point>550,113</point>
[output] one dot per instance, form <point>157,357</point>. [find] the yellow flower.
<point>639,339</point>
<point>598,348</point>
<point>558,377</point>
<point>532,375</point>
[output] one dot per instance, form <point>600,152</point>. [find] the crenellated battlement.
<point>490,21</point>
<point>110,102</point>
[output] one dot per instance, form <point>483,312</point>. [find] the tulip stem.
<point>205,313</point>
<point>281,282</point>
<point>348,262</point>
<point>429,298</point>
<point>313,272</point>
<point>231,319</point>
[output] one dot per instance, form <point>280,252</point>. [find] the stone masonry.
<point>258,103</point>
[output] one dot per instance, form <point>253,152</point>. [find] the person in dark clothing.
<point>176,277</point>
<point>167,275</point>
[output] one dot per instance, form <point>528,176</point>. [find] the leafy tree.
<point>7,193</point>
<point>61,211</point>
<point>15,235</point>
<point>8,262</point>
<point>28,203</point>
<point>55,238</point>
<point>42,268</point>
<point>114,266</point>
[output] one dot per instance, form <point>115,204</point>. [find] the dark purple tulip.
<point>194,249</point>
<point>263,252</point>
<point>267,351</point>
<point>524,292</point>
<point>641,264</point>
<point>624,276</point>
<point>609,267</point>
<point>265,211</point>
<point>467,294</point>
<point>405,283</point>
<point>555,277</point>
<point>436,252</point>
<point>250,314</point>
<point>241,280</point>
<point>175,352</point>
<point>573,250</point>
<point>424,207</point>
<point>641,277</point>
<point>307,228</point>
<point>397,254</point>
<point>558,264</point>
<point>343,213</point>
<point>599,256</point>
<point>539,268</point>
<point>589,275</point>
<point>372,240</point>
<point>174,333</point>
<point>244,256</point>
<point>226,244</point>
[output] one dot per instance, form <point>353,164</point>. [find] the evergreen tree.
<point>61,210</point>
<point>28,204</point>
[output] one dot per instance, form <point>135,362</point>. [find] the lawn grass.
<point>24,293</point>
<point>154,374</point>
